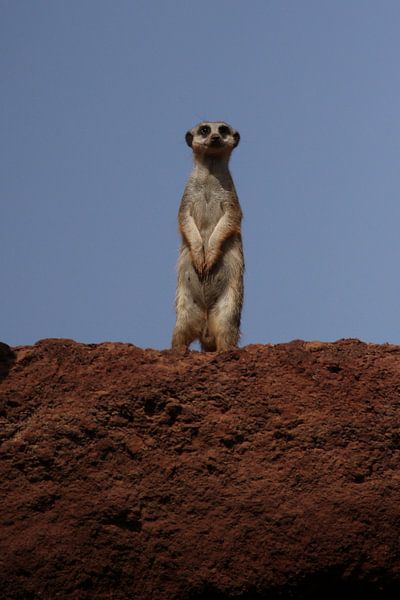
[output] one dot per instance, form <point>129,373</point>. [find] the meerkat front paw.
<point>210,261</point>
<point>199,261</point>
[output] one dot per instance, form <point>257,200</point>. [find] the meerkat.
<point>209,294</point>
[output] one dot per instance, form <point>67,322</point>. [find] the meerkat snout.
<point>215,140</point>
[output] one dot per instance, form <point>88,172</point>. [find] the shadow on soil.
<point>7,359</point>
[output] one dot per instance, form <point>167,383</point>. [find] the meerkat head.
<point>212,138</point>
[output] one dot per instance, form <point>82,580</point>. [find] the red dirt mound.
<point>262,472</point>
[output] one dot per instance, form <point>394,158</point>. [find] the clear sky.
<point>95,99</point>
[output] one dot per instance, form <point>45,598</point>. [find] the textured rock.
<point>265,472</point>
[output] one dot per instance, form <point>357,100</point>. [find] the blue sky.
<point>95,99</point>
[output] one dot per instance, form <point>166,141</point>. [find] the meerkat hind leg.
<point>224,321</point>
<point>190,320</point>
<point>207,339</point>
<point>181,338</point>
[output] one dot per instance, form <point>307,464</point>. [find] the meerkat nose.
<point>215,139</point>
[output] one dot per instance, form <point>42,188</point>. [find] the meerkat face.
<point>212,138</point>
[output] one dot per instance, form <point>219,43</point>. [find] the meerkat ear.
<point>236,137</point>
<point>189,138</point>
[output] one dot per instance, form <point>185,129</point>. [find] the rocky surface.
<point>263,472</point>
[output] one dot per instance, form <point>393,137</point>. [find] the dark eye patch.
<point>204,130</point>
<point>224,130</point>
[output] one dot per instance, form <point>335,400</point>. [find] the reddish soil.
<point>263,472</point>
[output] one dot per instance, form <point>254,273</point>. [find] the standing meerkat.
<point>209,294</point>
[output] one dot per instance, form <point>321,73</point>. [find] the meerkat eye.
<point>224,130</point>
<point>204,130</point>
